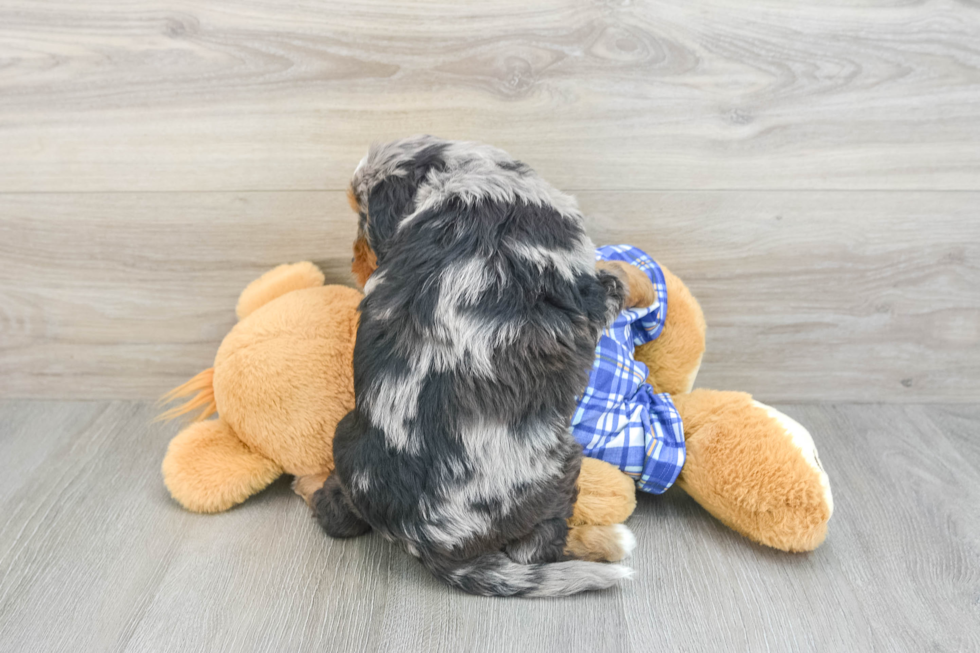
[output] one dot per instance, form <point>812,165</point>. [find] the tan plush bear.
<point>283,378</point>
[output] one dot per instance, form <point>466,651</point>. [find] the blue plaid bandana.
<point>619,418</point>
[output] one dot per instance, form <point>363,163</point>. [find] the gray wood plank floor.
<point>94,556</point>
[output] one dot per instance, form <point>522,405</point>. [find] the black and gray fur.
<point>477,333</point>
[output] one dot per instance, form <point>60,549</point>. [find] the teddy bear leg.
<point>606,495</point>
<point>208,469</point>
<point>754,469</point>
<point>675,357</point>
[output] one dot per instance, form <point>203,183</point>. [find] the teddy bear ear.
<point>276,283</point>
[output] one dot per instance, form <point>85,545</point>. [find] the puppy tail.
<point>495,574</point>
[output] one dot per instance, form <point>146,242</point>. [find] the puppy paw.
<point>305,486</point>
<point>627,541</point>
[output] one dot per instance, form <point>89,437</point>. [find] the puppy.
<point>483,306</point>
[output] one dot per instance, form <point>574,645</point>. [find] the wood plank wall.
<point>811,169</point>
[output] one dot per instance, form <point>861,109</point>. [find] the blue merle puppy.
<point>483,305</point>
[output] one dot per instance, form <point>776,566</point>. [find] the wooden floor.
<point>94,556</point>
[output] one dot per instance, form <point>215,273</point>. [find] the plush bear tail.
<point>202,389</point>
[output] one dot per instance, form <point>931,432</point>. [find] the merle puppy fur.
<point>477,332</point>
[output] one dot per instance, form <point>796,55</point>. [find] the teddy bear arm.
<point>675,357</point>
<point>605,495</point>
<point>754,469</point>
<point>208,469</point>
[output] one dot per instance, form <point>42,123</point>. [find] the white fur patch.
<point>625,538</point>
<point>502,462</point>
<point>804,441</point>
<point>391,403</point>
<point>452,521</point>
<point>360,481</point>
<point>567,264</point>
<point>462,284</point>
<point>457,335</point>
<point>375,280</point>
<point>499,463</point>
<point>456,339</point>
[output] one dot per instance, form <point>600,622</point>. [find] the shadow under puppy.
<point>483,306</point>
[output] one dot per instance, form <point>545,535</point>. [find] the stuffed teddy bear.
<point>283,378</point>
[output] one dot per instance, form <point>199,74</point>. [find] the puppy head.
<point>382,192</point>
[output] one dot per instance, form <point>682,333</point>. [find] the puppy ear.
<point>388,203</point>
<point>393,198</point>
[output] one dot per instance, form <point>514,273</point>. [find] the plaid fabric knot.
<point>619,418</point>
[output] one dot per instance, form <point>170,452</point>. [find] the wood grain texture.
<point>820,296</point>
<point>809,296</point>
<point>811,169</point>
<point>261,95</point>
<point>94,556</point>
<point>121,295</point>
